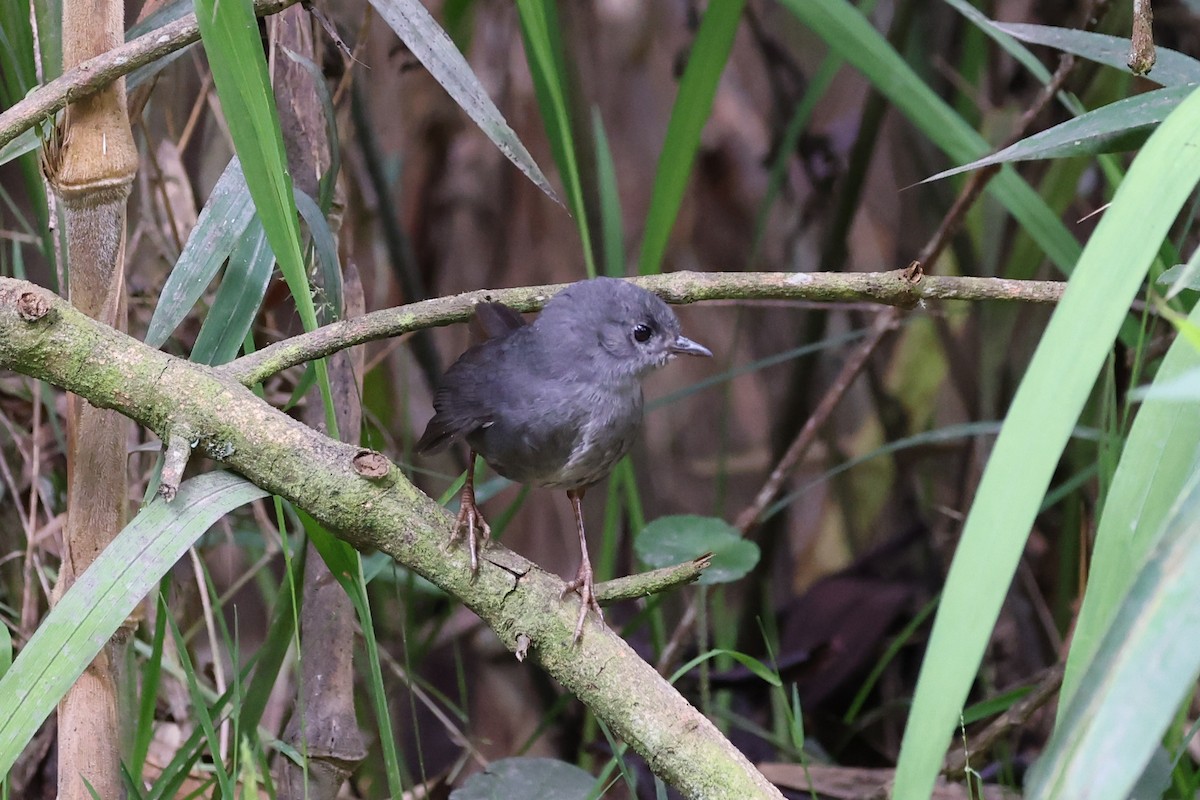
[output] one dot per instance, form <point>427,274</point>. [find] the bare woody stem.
<point>895,288</point>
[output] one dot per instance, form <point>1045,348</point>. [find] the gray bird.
<point>556,403</point>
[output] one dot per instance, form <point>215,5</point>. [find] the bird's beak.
<point>686,347</point>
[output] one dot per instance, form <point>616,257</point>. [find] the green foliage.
<point>534,778</point>
<point>846,31</point>
<point>706,62</point>
<point>223,224</point>
<point>673,540</point>
<point>1144,668</point>
<point>1046,407</point>
<point>100,600</point>
<point>1133,657</point>
<point>547,63</point>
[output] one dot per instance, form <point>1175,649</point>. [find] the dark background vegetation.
<point>853,560</point>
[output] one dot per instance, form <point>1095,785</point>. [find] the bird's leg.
<point>583,578</point>
<point>469,518</point>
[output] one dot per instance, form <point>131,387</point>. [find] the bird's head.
<point>617,327</point>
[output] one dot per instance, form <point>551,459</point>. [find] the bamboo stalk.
<point>91,163</point>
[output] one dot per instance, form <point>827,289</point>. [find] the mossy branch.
<point>42,336</point>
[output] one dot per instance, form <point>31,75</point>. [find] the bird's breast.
<point>566,438</point>
<point>605,434</point>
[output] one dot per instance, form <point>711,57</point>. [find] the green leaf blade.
<point>1145,667</point>
<point>229,30</point>
<point>222,223</point>
<point>1123,125</point>
<point>848,33</point>
<point>431,46</point>
<point>103,596</point>
<point>1161,453</point>
<point>1171,69</point>
<point>697,89</point>
<point>1045,409</point>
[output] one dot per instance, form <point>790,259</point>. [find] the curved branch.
<point>95,73</point>
<point>41,335</point>
<point>895,288</point>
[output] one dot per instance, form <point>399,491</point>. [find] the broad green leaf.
<point>1171,69</point>
<point>229,30</point>
<point>706,61</point>
<point>1161,455</point>
<point>426,40</point>
<point>1045,409</point>
<point>1145,667</point>
<point>1119,126</point>
<point>95,606</point>
<point>1182,276</point>
<point>676,539</point>
<point>222,223</point>
<point>528,779</point>
<point>1179,388</point>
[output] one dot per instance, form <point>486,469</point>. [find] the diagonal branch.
<point>41,335</point>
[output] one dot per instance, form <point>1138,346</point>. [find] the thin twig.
<point>1015,717</point>
<point>645,584</point>
<point>28,612</point>
<point>751,516</point>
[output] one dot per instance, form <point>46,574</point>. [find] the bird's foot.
<point>583,586</point>
<point>471,523</point>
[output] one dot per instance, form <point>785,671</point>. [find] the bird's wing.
<point>497,320</point>
<point>464,401</point>
<point>446,428</point>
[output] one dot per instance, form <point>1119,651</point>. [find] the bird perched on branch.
<point>556,403</point>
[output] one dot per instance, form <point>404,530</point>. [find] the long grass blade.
<point>697,89</point>
<point>100,600</point>
<point>1045,409</point>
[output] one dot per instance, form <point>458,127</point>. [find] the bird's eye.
<point>641,332</point>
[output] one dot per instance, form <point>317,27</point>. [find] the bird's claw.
<point>478,532</point>
<point>583,586</point>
